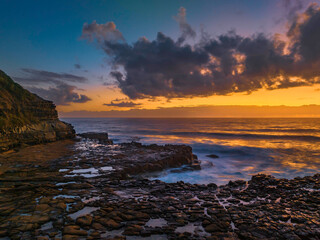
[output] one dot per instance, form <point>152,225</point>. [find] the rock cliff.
<point>26,118</point>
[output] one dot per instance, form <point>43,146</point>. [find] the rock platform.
<point>91,189</point>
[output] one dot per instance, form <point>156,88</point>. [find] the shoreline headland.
<point>27,119</point>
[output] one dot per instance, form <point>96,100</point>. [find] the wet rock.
<point>110,223</point>
<point>74,230</point>
<point>84,221</point>
<point>140,215</point>
<point>212,228</point>
<point>237,183</point>
<point>95,235</point>
<point>71,237</point>
<point>42,238</point>
<point>133,230</point>
<point>43,208</point>
<point>3,233</point>
<point>61,206</point>
<point>118,238</point>
<point>298,219</point>
<point>98,226</point>
<point>212,186</point>
<point>212,156</point>
<point>101,137</point>
<point>26,227</point>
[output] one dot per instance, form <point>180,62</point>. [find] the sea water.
<point>284,148</point>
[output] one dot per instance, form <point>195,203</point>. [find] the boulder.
<point>212,156</point>
<point>74,230</point>
<point>101,137</point>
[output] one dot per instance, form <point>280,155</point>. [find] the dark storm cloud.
<point>305,35</point>
<point>59,91</point>
<point>119,103</point>
<point>223,65</point>
<point>61,94</point>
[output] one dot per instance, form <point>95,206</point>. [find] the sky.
<point>163,58</point>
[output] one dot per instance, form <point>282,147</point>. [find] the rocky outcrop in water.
<point>101,137</point>
<point>26,118</point>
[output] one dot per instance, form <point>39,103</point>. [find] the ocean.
<point>284,148</point>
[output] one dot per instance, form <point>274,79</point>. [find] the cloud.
<point>120,103</point>
<point>291,8</point>
<point>77,66</point>
<point>34,76</point>
<point>53,86</point>
<point>101,32</point>
<point>227,64</point>
<point>305,36</point>
<point>185,28</point>
<point>61,94</point>
<point>111,84</point>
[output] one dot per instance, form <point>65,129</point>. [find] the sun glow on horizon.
<point>281,97</point>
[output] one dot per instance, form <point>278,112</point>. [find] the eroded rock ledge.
<point>26,118</point>
<point>42,132</point>
<point>89,192</point>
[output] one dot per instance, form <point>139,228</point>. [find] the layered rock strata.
<point>26,118</point>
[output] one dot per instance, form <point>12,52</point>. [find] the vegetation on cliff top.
<point>19,107</point>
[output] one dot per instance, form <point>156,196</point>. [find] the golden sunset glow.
<point>289,97</point>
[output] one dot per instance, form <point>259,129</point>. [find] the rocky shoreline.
<point>90,188</point>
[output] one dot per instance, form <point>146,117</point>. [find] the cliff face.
<point>26,118</point>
